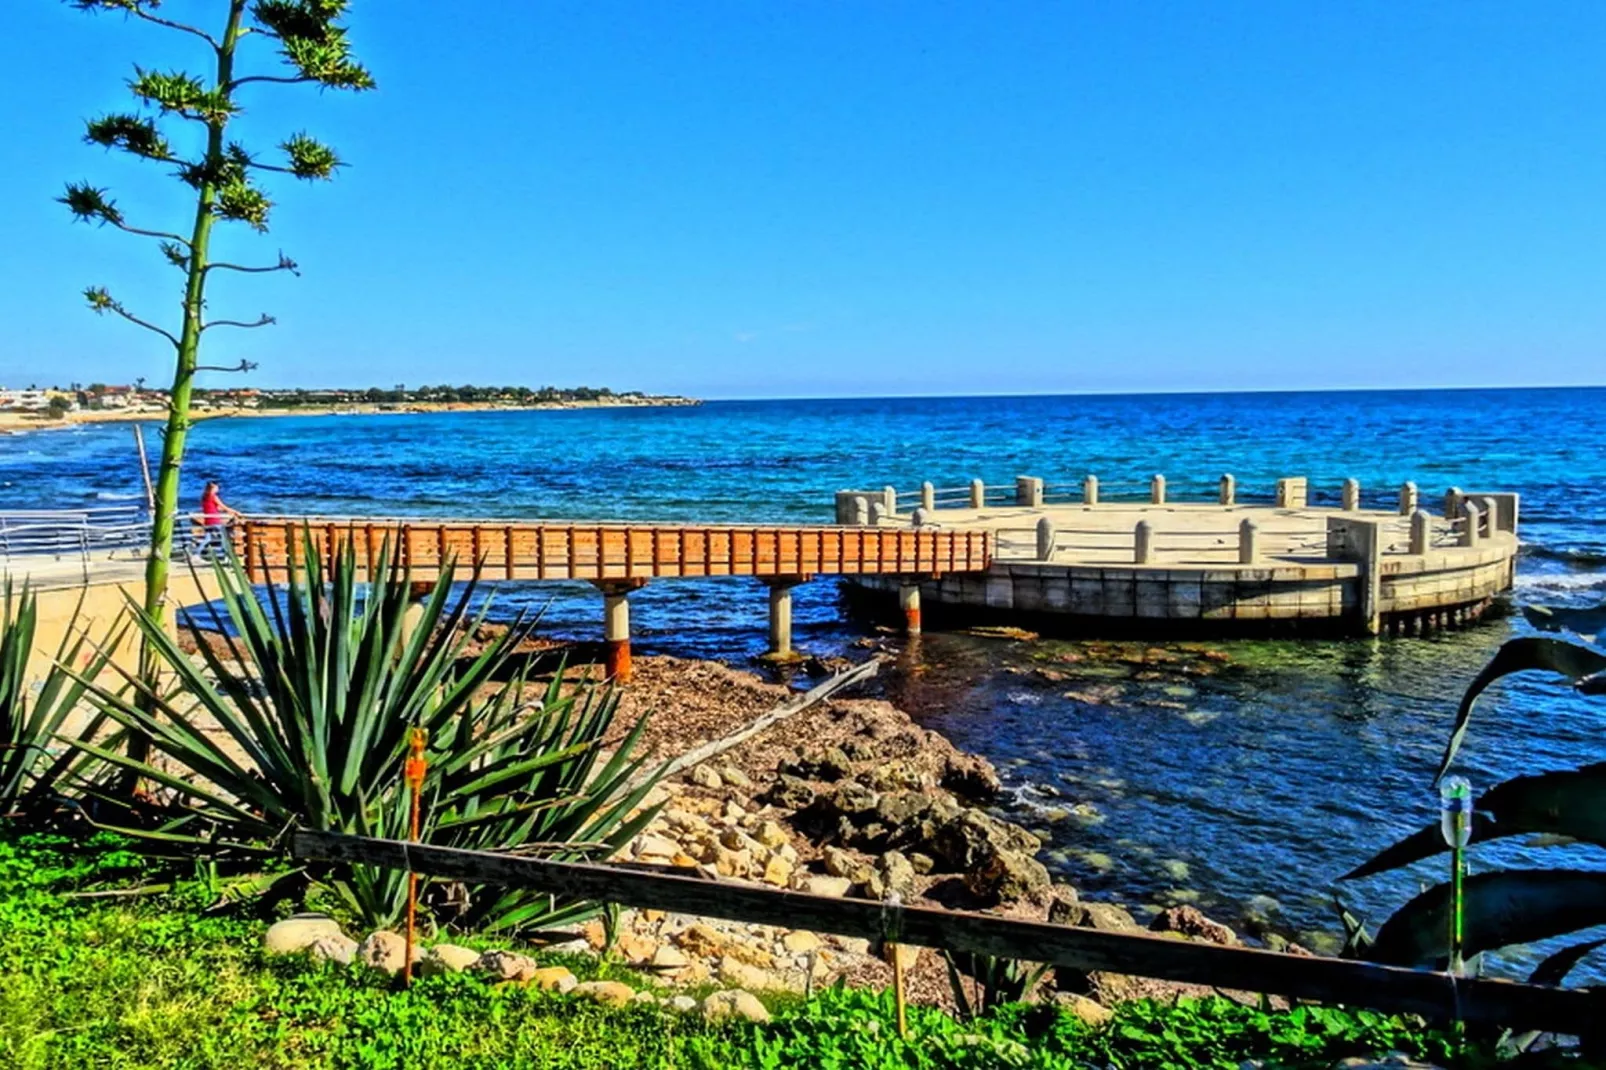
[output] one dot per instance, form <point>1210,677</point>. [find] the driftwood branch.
<point>789,708</point>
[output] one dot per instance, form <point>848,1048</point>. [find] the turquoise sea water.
<point>1250,788</point>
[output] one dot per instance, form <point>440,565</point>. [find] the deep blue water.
<point>1272,777</point>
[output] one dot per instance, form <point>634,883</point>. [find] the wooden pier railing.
<point>563,550</point>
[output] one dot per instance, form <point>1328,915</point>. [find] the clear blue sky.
<point>785,199</point>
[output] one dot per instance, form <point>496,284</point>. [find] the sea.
<point>1246,788</point>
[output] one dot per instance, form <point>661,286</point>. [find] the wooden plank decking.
<point>580,550</point>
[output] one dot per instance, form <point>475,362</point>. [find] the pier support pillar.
<point>909,602</point>
<point>781,615</point>
<point>1421,531</point>
<point>1361,541</point>
<point>1028,491</point>
<point>1157,489</point>
<point>616,625</point>
<point>1248,542</point>
<point>978,494</point>
<point>1143,543</point>
<point>1090,490</point>
<point>1407,498</point>
<point>1229,489</point>
<point>928,496</point>
<point>1352,495</point>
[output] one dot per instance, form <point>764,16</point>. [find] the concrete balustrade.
<point>1351,495</point>
<point>1474,520</point>
<point>878,513</point>
<point>1228,493</point>
<point>1491,513</point>
<point>1408,497</point>
<point>1248,542</point>
<point>1046,537</point>
<point>861,511</point>
<point>1157,489</point>
<point>1143,543</point>
<point>1090,490</point>
<point>1029,491</point>
<point>920,518</point>
<point>1421,531</point>
<point>1452,503</point>
<point>978,494</point>
<point>1293,492</point>
<point>889,498</point>
<point>928,496</point>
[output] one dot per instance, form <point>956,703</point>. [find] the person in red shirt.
<point>215,514</point>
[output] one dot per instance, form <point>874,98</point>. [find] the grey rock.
<point>298,933</point>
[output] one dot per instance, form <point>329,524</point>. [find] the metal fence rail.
<point>81,534</point>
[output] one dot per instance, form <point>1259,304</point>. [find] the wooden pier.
<point>620,557</point>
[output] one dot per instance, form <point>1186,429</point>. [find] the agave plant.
<point>35,706</point>
<point>302,720</point>
<point>1002,981</point>
<point>1507,907</point>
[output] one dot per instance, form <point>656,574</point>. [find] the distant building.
<point>24,400</point>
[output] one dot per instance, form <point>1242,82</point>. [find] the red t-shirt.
<point>211,507</point>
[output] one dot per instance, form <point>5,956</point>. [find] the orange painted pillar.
<point>909,599</point>
<point>616,626</point>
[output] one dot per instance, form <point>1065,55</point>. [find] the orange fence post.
<point>413,772</point>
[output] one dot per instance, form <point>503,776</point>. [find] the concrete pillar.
<point>1028,491</point>
<point>889,498</point>
<point>1229,489</point>
<point>1045,539</point>
<point>1090,490</point>
<point>616,627</point>
<point>1143,543</point>
<point>1474,519</point>
<point>861,510</point>
<point>1491,514</point>
<point>878,513</point>
<point>844,507</point>
<point>928,496</point>
<point>1293,492</point>
<point>920,518</point>
<point>781,615</point>
<point>1352,495</point>
<point>909,602</point>
<point>1157,489</point>
<point>1248,542</point>
<point>1452,503</point>
<point>1361,540</point>
<point>1421,531</point>
<point>1407,498</point>
<point>978,494</point>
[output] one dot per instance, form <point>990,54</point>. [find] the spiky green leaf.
<point>1501,908</point>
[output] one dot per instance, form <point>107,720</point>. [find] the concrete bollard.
<point>889,498</point>
<point>1407,498</point>
<point>1248,542</point>
<point>1352,495</point>
<point>1028,491</point>
<point>1143,543</point>
<point>978,494</point>
<point>1229,489</point>
<point>861,510</point>
<point>1046,536</point>
<point>878,513</point>
<point>1157,489</point>
<point>1474,519</point>
<point>1452,503</point>
<point>928,496</point>
<point>1421,531</point>
<point>919,518</point>
<point>1090,490</point>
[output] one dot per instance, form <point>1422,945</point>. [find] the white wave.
<point>114,496</point>
<point>1562,581</point>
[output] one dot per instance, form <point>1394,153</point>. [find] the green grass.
<point>156,982</point>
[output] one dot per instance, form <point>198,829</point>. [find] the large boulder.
<point>734,1003</point>
<point>447,958</point>
<point>1007,875</point>
<point>299,933</point>
<point>1191,923</point>
<point>790,793</point>
<point>384,951</point>
<point>893,875</point>
<point>829,764</point>
<point>971,838</point>
<point>971,777</point>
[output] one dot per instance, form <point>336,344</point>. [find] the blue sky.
<point>801,199</point>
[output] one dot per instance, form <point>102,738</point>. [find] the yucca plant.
<point>1002,981</point>
<point>35,703</point>
<point>1508,907</point>
<point>303,720</point>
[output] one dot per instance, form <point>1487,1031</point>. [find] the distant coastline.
<point>12,422</point>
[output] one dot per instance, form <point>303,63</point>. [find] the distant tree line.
<point>402,395</point>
